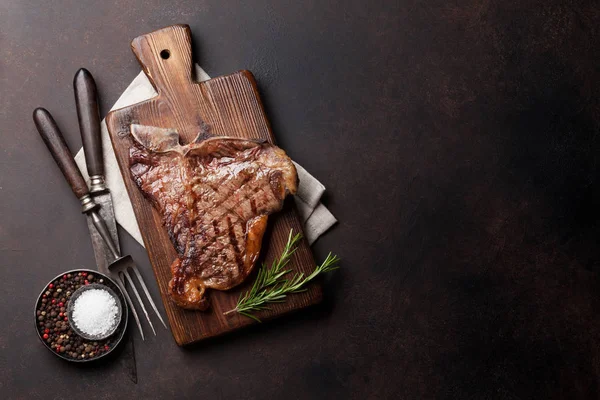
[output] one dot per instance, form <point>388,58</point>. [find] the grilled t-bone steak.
<point>214,197</point>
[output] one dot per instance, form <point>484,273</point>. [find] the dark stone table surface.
<point>459,143</point>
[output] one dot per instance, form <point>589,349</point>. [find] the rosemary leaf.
<point>271,286</point>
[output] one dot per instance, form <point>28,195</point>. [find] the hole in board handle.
<point>165,54</point>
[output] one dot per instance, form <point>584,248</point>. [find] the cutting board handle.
<point>166,57</point>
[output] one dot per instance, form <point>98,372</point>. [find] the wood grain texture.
<point>228,105</point>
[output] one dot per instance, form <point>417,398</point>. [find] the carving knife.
<point>89,126</point>
<point>88,115</point>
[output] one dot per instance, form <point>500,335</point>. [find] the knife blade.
<point>88,115</point>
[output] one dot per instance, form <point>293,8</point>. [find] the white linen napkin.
<point>315,216</point>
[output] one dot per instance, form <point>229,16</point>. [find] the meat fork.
<point>121,265</point>
<point>120,268</point>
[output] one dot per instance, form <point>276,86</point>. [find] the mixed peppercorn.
<point>53,323</point>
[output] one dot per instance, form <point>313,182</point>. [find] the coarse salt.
<point>95,312</point>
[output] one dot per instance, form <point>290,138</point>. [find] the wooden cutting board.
<point>229,105</point>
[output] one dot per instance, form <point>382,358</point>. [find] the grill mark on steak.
<point>214,198</point>
<point>234,241</point>
<point>225,208</point>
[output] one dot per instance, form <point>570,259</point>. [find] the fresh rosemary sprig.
<point>271,286</point>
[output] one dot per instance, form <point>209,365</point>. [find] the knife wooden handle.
<point>55,142</point>
<point>88,114</point>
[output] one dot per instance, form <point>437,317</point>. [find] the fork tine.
<point>137,295</point>
<point>141,280</point>
<point>121,285</point>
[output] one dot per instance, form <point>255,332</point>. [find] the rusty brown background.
<point>459,143</point>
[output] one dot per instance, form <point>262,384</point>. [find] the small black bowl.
<point>73,300</point>
<point>116,336</point>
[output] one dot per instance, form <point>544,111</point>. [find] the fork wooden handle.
<point>55,142</point>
